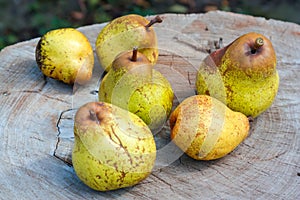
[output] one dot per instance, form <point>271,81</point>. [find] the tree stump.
<point>36,129</point>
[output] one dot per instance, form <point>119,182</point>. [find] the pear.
<point>242,75</point>
<point>124,33</point>
<point>65,54</point>
<point>134,85</point>
<point>206,129</point>
<point>113,148</point>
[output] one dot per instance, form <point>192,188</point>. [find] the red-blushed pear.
<point>242,75</point>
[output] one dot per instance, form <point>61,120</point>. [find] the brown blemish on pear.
<point>92,114</point>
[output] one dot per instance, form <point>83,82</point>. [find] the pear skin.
<point>205,129</point>
<point>242,75</point>
<point>151,99</point>
<point>113,148</point>
<point>65,54</point>
<point>137,87</point>
<point>124,33</point>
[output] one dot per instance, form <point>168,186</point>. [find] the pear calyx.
<point>157,19</point>
<point>93,116</point>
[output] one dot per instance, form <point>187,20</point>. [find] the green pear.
<point>134,85</point>
<point>123,34</point>
<point>206,129</point>
<point>242,75</point>
<point>65,54</point>
<point>113,148</point>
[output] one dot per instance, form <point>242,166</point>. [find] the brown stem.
<point>134,54</point>
<point>93,116</point>
<point>250,119</point>
<point>258,43</point>
<point>157,19</point>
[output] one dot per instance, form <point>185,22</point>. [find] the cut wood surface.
<point>36,127</point>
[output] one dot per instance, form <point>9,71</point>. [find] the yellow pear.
<point>134,85</point>
<point>205,129</point>
<point>123,34</point>
<point>113,148</point>
<point>65,54</point>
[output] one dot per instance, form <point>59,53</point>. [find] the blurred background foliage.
<point>26,19</point>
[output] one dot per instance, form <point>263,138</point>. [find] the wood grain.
<point>37,113</point>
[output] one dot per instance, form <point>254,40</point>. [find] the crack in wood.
<point>189,79</point>
<point>174,56</point>
<point>36,138</point>
<point>65,160</point>
<point>172,60</point>
<point>162,180</point>
<point>212,45</point>
<point>56,147</point>
<point>272,157</point>
<point>192,167</point>
<point>5,93</point>
<point>226,177</point>
<point>137,194</point>
<point>42,94</point>
<point>197,48</point>
<point>94,92</point>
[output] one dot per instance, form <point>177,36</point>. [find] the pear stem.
<point>134,54</point>
<point>259,42</point>
<point>250,119</point>
<point>157,19</point>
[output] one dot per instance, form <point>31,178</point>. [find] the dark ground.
<point>26,19</point>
